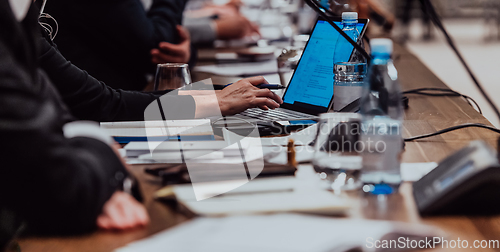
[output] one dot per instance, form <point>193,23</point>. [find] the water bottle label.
<point>345,95</point>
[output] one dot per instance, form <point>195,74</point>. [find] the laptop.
<point>310,90</point>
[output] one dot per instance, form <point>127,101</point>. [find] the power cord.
<point>321,10</point>
<point>436,20</point>
<point>326,14</point>
<point>467,125</point>
<point>444,92</point>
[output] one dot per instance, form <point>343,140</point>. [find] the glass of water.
<point>172,76</point>
<point>336,150</point>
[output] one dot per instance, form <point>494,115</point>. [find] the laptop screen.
<point>312,82</point>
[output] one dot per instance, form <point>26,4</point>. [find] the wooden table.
<point>425,115</point>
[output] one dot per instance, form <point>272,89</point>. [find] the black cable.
<point>467,125</point>
<point>437,21</point>
<point>321,10</point>
<point>435,18</point>
<point>446,92</point>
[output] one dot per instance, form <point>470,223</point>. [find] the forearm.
<point>56,184</point>
<point>206,105</point>
<point>86,97</point>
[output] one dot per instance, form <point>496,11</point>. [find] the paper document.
<point>124,132</point>
<point>232,155</point>
<point>135,149</point>
<point>265,195</point>
<point>241,69</point>
<point>412,172</point>
<point>279,233</point>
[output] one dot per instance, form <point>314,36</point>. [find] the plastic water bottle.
<point>382,115</point>
<point>348,84</point>
<point>350,27</point>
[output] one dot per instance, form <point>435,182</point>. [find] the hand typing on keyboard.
<point>243,95</point>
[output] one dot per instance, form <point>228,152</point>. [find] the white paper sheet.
<point>276,233</point>
<point>239,69</point>
<point>158,128</point>
<point>414,171</point>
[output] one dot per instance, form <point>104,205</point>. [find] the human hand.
<point>235,4</point>
<point>173,53</point>
<point>235,27</point>
<point>243,94</point>
<point>231,8</point>
<point>122,212</point>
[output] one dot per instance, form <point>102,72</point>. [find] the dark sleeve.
<point>124,26</point>
<point>57,185</point>
<point>90,99</point>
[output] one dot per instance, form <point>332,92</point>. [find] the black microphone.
<point>318,8</point>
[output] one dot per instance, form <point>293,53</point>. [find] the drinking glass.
<point>336,150</point>
<point>172,76</point>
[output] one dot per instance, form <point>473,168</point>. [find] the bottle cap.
<point>381,46</point>
<point>349,16</point>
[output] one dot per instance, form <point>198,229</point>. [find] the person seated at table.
<point>224,22</point>
<point>58,176</point>
<point>113,40</point>
<point>90,99</point>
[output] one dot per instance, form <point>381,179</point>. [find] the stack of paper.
<point>241,69</point>
<point>137,149</point>
<point>265,195</point>
<point>188,130</point>
<point>282,233</point>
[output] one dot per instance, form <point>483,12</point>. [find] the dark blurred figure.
<point>119,42</point>
<point>223,22</point>
<point>57,176</point>
<point>407,16</point>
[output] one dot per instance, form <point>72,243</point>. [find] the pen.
<point>268,86</point>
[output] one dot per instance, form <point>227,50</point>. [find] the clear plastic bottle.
<point>382,113</point>
<point>350,27</point>
<point>348,83</point>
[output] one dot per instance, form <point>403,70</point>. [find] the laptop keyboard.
<point>274,115</point>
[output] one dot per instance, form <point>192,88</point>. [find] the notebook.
<point>185,130</point>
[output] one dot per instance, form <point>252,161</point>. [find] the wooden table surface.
<point>425,115</point>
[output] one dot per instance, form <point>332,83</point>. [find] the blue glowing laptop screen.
<point>312,82</point>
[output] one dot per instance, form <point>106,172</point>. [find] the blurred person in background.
<point>88,98</point>
<point>223,22</point>
<point>374,10</point>
<point>407,17</point>
<point>119,42</point>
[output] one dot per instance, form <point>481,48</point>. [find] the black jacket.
<point>112,39</point>
<point>90,99</point>
<point>54,184</point>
